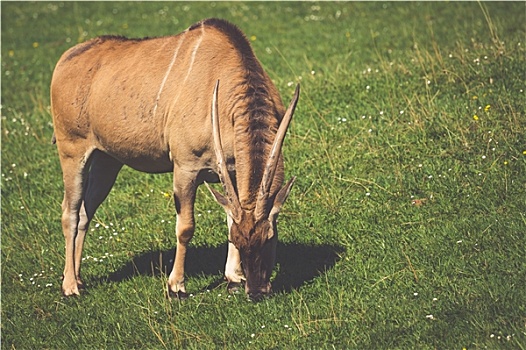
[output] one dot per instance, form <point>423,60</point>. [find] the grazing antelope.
<point>156,105</point>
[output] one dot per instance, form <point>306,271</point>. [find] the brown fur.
<point>146,103</point>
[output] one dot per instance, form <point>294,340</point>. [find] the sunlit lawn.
<point>405,228</point>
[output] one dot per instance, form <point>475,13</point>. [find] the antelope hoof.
<point>71,288</point>
<point>72,291</point>
<point>176,289</point>
<point>180,295</point>
<point>81,285</point>
<point>234,287</point>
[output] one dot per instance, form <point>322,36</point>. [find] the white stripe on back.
<point>166,75</point>
<point>192,60</point>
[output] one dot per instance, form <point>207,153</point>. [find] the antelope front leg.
<point>233,271</point>
<point>184,197</point>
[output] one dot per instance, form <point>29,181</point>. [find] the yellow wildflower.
<point>253,38</point>
<point>167,195</point>
<point>11,53</point>
<point>486,109</point>
<point>475,97</point>
<point>475,117</point>
<point>524,152</point>
<point>35,44</point>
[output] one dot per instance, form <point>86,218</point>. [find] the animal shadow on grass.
<point>297,264</point>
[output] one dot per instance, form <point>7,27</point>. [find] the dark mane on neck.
<point>256,126</point>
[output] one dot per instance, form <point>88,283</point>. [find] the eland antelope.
<point>197,104</point>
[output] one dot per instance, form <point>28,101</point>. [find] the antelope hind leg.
<point>102,175</point>
<point>74,174</point>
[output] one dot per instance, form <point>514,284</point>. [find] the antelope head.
<point>254,232</point>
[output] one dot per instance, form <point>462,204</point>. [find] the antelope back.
<point>146,101</point>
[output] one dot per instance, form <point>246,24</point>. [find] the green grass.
<point>405,228</point>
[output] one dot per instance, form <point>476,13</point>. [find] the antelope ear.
<point>281,197</point>
<point>218,196</point>
<point>223,201</point>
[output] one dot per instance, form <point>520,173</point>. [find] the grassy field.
<point>406,226</point>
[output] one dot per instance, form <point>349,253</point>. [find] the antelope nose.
<point>259,293</point>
